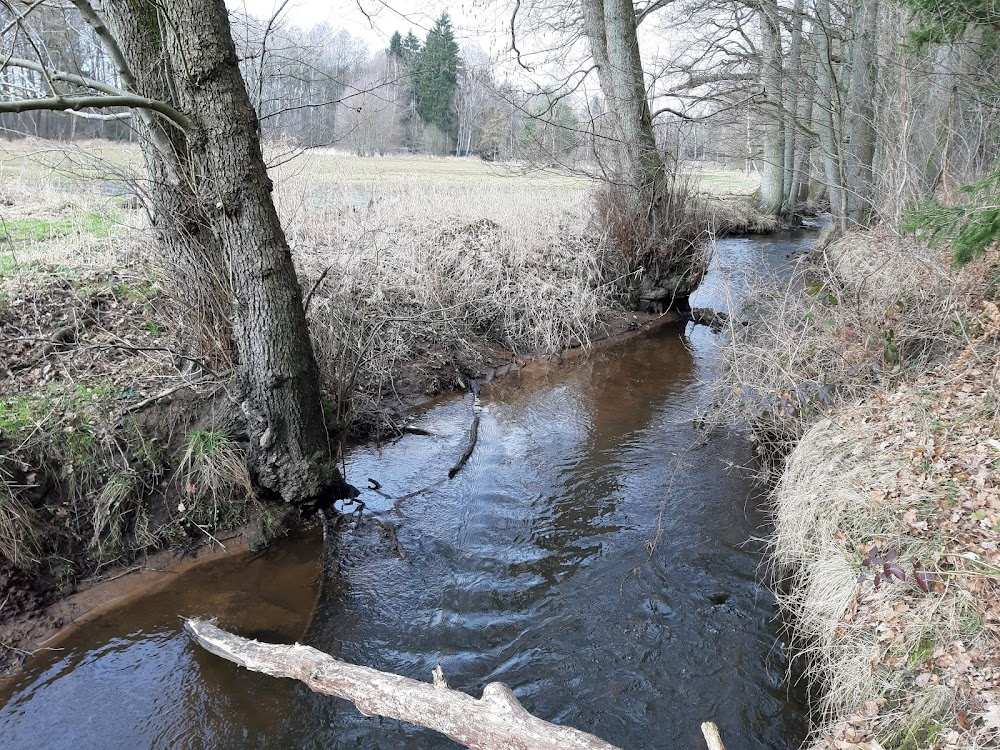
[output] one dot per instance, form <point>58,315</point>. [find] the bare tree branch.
<point>492,722</point>
<point>114,97</point>
<point>19,18</point>
<point>75,103</point>
<point>108,40</point>
<point>641,15</point>
<point>73,78</point>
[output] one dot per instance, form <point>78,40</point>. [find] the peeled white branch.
<point>494,722</point>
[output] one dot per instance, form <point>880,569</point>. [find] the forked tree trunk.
<point>217,199</point>
<point>641,173</point>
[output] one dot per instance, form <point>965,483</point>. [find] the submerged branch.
<point>473,434</point>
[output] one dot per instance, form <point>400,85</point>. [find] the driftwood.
<point>492,722</point>
<point>473,433</point>
<point>711,734</point>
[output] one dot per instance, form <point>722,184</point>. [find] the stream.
<point>593,554</point>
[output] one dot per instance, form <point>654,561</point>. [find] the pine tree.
<point>396,45</point>
<point>407,53</point>
<point>438,76</point>
<point>411,46</point>
<point>973,223</point>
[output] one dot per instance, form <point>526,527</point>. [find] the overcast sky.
<point>475,21</point>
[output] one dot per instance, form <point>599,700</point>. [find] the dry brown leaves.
<point>114,330</point>
<point>945,496</point>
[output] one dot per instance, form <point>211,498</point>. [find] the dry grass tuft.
<point>20,530</point>
<point>895,665</point>
<point>399,270</point>
<point>214,481</point>
<point>115,506</point>
<point>867,313</point>
<point>738,215</point>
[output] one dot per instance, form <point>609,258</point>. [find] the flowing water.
<point>592,554</point>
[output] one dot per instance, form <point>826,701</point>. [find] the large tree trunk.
<point>191,253</point>
<point>861,114</point>
<point>772,185</point>
<point>827,111</point>
<point>798,111</point>
<point>641,172</point>
<point>217,205</point>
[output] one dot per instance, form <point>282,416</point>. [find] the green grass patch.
<point>724,182</point>
<point>44,230</point>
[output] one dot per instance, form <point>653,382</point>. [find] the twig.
<point>712,736</point>
<point>389,534</point>
<point>315,286</point>
<point>473,433</point>
<point>163,394</point>
<point>204,530</point>
<point>25,652</point>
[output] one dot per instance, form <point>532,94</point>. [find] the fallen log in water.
<point>717,321</point>
<point>494,722</point>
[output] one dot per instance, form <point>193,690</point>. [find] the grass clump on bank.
<point>913,471</point>
<point>875,374</point>
<point>864,314</point>
<point>425,285</point>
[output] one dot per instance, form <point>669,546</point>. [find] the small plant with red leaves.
<point>887,567</point>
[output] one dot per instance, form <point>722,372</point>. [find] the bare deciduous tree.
<point>177,67</point>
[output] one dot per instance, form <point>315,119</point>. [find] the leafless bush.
<point>667,256</point>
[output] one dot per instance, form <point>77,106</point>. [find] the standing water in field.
<point>593,554</point>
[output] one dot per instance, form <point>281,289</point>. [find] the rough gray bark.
<point>826,110</point>
<point>860,151</point>
<point>213,207</point>
<point>793,112</point>
<point>190,251</point>
<point>772,186</point>
<point>494,722</point>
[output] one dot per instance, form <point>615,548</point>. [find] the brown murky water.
<point>588,555</point>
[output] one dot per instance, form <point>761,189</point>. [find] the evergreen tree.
<point>396,45</point>
<point>411,46</point>
<point>437,77</point>
<point>406,52</point>
<point>972,224</point>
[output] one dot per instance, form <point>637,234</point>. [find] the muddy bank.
<point>35,626</point>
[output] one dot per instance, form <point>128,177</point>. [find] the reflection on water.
<point>533,566</point>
